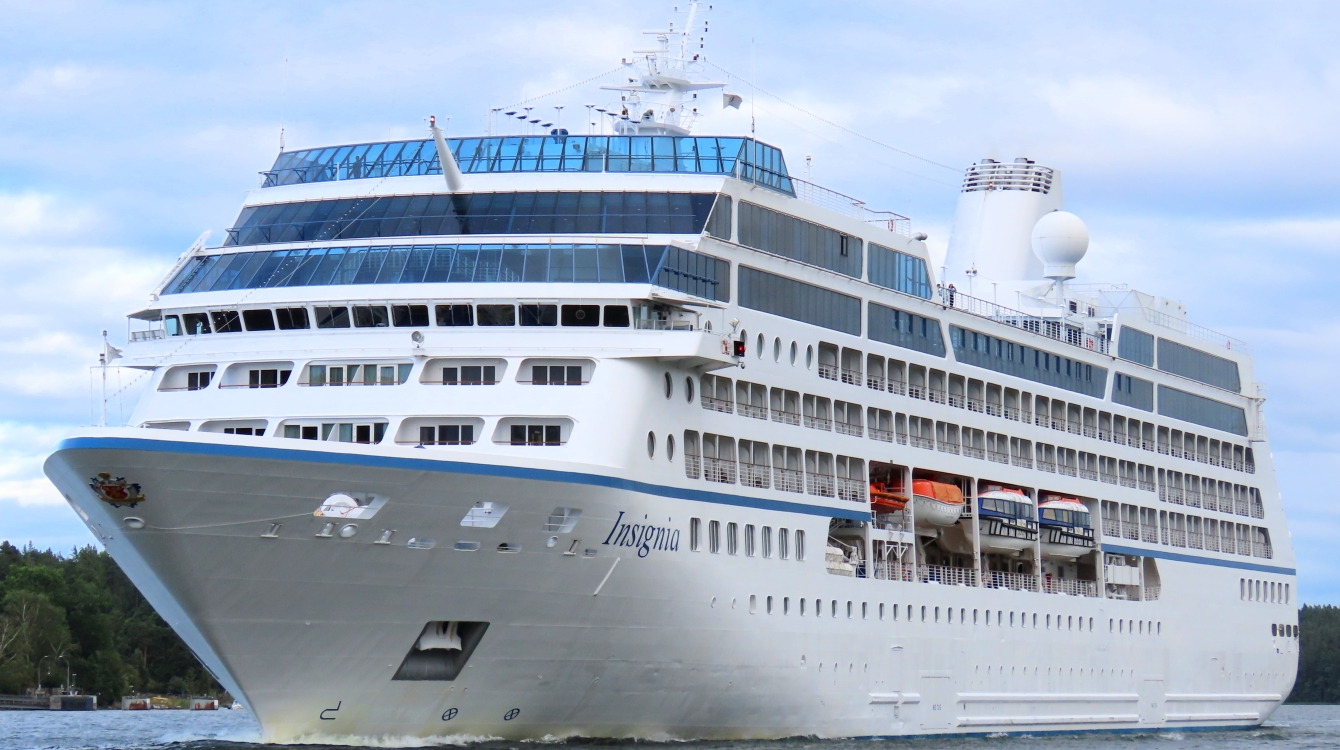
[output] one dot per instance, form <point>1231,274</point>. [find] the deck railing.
<point>1069,586</point>
<point>846,428</point>
<point>828,372</point>
<point>818,423</point>
<point>946,575</point>
<point>751,410</point>
<point>892,570</point>
<point>922,442</point>
<point>850,377</point>
<point>820,485</point>
<point>851,490</point>
<point>999,457</point>
<point>788,480</point>
<point>754,475</point>
<point>1057,327</point>
<point>882,435</point>
<point>786,417</point>
<point>719,470</point>
<point>1112,527</point>
<point>1000,579</point>
<point>693,465</point>
<point>711,403</point>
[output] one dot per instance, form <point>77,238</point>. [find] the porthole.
<point>669,385</point>
<point>651,445</point>
<point>669,447</point>
<point>688,389</point>
<point>793,353</point>
<point>809,356</point>
<point>777,350</point>
<point>760,346</point>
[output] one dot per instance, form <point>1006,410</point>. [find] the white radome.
<point>1060,240</point>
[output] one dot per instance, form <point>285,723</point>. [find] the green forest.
<point>79,615</point>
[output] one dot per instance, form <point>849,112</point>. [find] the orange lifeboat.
<point>937,503</point>
<point>885,500</point>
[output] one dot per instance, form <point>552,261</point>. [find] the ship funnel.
<point>998,207</point>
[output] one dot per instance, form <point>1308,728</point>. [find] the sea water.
<point>1291,727</point>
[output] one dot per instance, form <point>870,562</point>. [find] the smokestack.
<point>998,207</point>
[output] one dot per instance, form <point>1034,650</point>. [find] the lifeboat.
<point>1066,527</point>
<point>1009,523</point>
<point>886,500</point>
<point>936,504</point>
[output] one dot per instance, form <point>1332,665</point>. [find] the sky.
<point>1197,141</point>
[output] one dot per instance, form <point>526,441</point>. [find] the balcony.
<point>828,372</point>
<point>754,475</point>
<point>976,405</point>
<point>1152,593</point>
<point>898,387</point>
<point>937,395</point>
<point>1067,470</point>
<point>881,435</point>
<point>1000,579</point>
<point>1047,466</point>
<point>786,417</point>
<point>818,423</point>
<point>1149,533</point>
<point>946,575</point>
<point>719,470</point>
<point>916,391</point>
<point>820,485</point>
<point>756,412</point>
<point>851,490</point>
<point>1070,587</point>
<point>1088,474</point>
<point>1112,528</point>
<point>875,382</point>
<point>972,452</point>
<point>999,457</point>
<point>956,401</point>
<point>922,442</point>
<point>844,428</point>
<point>850,377</point>
<point>892,570</point>
<point>1023,462</point>
<point>788,480</point>
<point>945,446</point>
<point>722,405</point>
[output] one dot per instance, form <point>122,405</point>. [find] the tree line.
<point>78,619</point>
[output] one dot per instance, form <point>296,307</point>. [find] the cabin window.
<point>534,434</point>
<point>783,544</point>
<point>581,315</point>
<point>267,378</point>
<point>455,315</point>
<point>292,318</point>
<point>196,324</point>
<point>616,316</point>
<point>447,434</point>
<point>409,316</point>
<point>470,375</point>
<point>198,380</point>
<point>370,316</point>
<point>556,375</point>
<point>714,537</point>
<point>732,532</point>
<point>539,315</point>
<point>332,317</point>
<point>767,541</point>
<point>695,534</point>
<point>255,431</point>
<point>800,544</point>
<point>749,540</point>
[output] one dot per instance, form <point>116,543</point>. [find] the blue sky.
<point>1197,140</point>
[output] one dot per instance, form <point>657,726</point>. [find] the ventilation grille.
<point>1021,175</point>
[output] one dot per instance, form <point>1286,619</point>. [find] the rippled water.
<point>1291,727</point>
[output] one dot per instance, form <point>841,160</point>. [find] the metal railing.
<point>892,570</point>
<point>754,475</point>
<point>711,403</point>
<point>944,446</point>
<point>937,395</point>
<point>152,334</point>
<point>916,391</point>
<point>1127,482</point>
<point>819,484</point>
<point>1149,533</point>
<point>1112,527</point>
<point>828,372</point>
<point>994,410</point>
<point>1195,540</point>
<point>902,438</point>
<point>1089,474</point>
<point>922,442</point>
<point>1146,485</point>
<point>946,575</point>
<point>751,410</point>
<point>898,387</point>
<point>846,428</point>
<point>1130,530</point>
<point>875,382</point>
<point>1057,327</point>
<point>1047,466</point>
<point>1263,549</point>
<point>999,457</point>
<point>719,470</point>
<point>851,490</point>
<point>818,423</point>
<point>853,207</point>
<point>976,404</point>
<point>974,452</point>
<point>1067,470</point>
<point>1152,593</point>
<point>1195,331</point>
<point>1022,461</point>
<point>1107,476</point>
<point>1069,586</point>
<point>956,400</point>
<point>654,324</point>
<point>1000,579</point>
<point>1177,537</point>
<point>786,417</point>
<point>881,435</point>
<point>788,480</point>
<point>693,465</point>
<point>1211,543</point>
<point>850,377</point>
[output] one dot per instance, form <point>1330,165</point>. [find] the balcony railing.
<point>956,400</point>
<point>944,446</point>
<point>882,435</point>
<point>1012,412</point>
<point>1112,527</point>
<point>788,480</point>
<point>994,410</point>
<point>916,391</point>
<point>1022,461</point>
<point>976,404</point>
<point>785,417</point>
<point>1177,537</point>
<point>946,575</point>
<point>693,465</point>
<point>754,475</point>
<point>828,372</point>
<point>1069,586</point>
<point>1000,579</point>
<point>937,395</point>
<point>1149,533</point>
<point>974,452</point>
<point>846,428</point>
<point>999,457</point>
<point>722,405</point>
<point>1057,327</point>
<point>851,490</point>
<point>1067,470</point>
<point>922,442</point>
<point>1106,476</point>
<point>1211,543</point>
<point>1195,540</point>
<point>875,382</point>
<point>1130,530</point>
<point>898,387</point>
<point>1047,466</point>
<point>820,485</point>
<point>818,423</point>
<point>1263,549</point>
<point>1147,485</point>
<point>719,470</point>
<point>1152,593</point>
<point>892,570</point>
<point>1089,474</point>
<point>850,377</point>
<point>751,410</point>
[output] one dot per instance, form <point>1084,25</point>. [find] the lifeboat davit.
<point>936,503</point>
<point>886,500</point>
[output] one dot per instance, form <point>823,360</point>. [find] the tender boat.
<point>1007,519</point>
<point>1066,527</point>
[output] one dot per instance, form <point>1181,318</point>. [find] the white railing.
<point>882,435</point>
<point>828,372</point>
<point>819,484</point>
<point>750,410</point>
<point>785,417</point>
<point>152,334</point>
<point>754,475</point>
<point>722,405</point>
<point>946,575</point>
<point>1152,593</point>
<point>998,456</point>
<point>851,490</point>
<point>693,465</point>
<point>875,382</point>
<point>853,207</point>
<point>1057,328</point>
<point>848,429</point>
<point>1070,586</point>
<point>719,470</point>
<point>851,377</point>
<point>1112,527</point>
<point>818,423</point>
<point>788,480</point>
<point>921,442</point>
<point>1197,332</point>
<point>892,570</point>
<point>1000,579</point>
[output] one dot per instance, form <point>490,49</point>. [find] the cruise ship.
<point>638,434</point>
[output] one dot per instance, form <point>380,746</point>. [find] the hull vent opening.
<point>441,650</point>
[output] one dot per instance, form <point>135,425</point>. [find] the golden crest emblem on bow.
<point>116,492</point>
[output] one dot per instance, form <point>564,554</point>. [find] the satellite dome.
<point>1060,240</point>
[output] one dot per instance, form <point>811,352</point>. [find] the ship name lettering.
<point>642,537</point>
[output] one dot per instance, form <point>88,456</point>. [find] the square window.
<point>552,435</point>
<point>428,435</point>
<point>407,316</point>
<point>539,315</point>
<point>258,320</point>
<point>196,323</point>
<point>581,315</point>
<point>292,431</point>
<point>226,321</point>
<point>574,374</point>
<point>539,374</point>
<point>518,434</point>
<point>369,316</point>
<point>363,433</point>
<point>455,315</point>
<point>309,432</point>
<point>332,317</point>
<point>292,318</point>
<point>496,315</point>
<point>616,316</point>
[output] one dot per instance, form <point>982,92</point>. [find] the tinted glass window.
<point>196,323</point>
<point>258,320</point>
<point>1137,346</point>
<point>292,318</point>
<point>616,316</point>
<point>539,315</point>
<point>332,317</point>
<point>455,315</point>
<point>406,316</point>
<point>496,315</point>
<point>226,321</point>
<point>369,316</point>
<point>581,315</point>
<point>779,295</point>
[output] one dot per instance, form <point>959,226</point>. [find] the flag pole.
<point>102,360</point>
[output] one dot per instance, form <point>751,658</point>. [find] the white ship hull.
<point>661,643</point>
